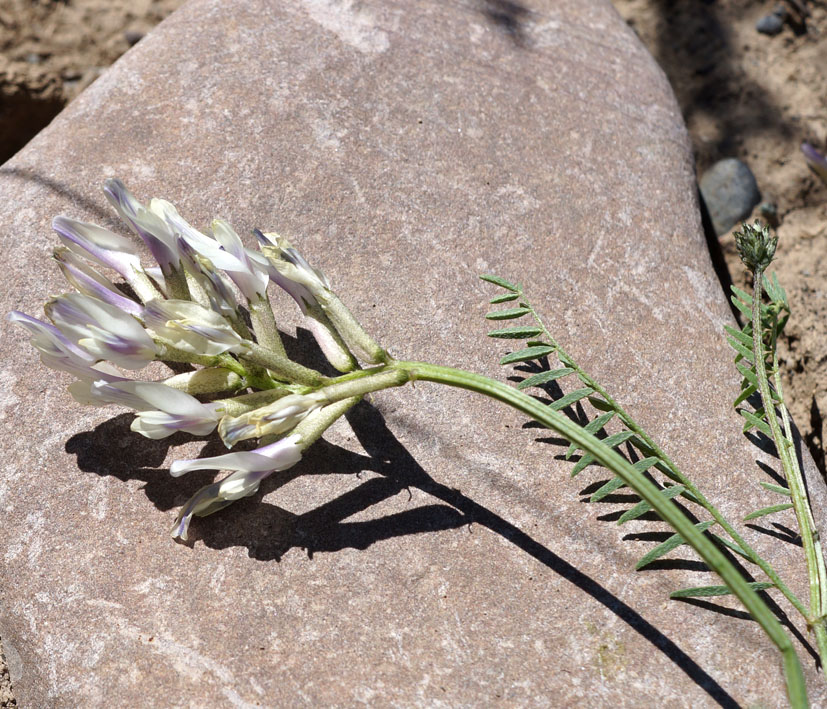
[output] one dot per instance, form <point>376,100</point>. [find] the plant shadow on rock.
<point>268,531</point>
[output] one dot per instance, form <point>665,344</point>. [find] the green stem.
<point>264,325</point>
<point>281,366</point>
<point>667,509</point>
<point>311,429</point>
<point>789,461</point>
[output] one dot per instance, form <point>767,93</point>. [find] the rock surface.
<point>431,552</point>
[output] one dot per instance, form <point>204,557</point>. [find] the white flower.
<point>248,274</point>
<point>58,352</point>
<point>156,233</point>
<point>289,270</point>
<point>99,244</point>
<point>225,251</point>
<point>161,410</point>
<point>251,468</point>
<point>88,281</point>
<point>279,417</point>
<point>192,328</point>
<point>101,329</point>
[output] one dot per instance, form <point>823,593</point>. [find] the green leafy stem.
<point>766,323</point>
<point>540,343</point>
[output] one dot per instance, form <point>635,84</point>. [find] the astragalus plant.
<point>205,303</point>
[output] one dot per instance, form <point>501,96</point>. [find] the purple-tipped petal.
<point>155,232</point>
<point>297,291</point>
<point>816,161</point>
<point>98,244</point>
<point>102,330</point>
<point>249,275</point>
<point>86,280</point>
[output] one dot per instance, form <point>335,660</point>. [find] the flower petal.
<point>99,244</point>
<point>276,456</point>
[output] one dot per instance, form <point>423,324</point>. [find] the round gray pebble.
<point>730,192</point>
<point>770,24</point>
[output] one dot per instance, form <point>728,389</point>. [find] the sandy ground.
<point>743,95</point>
<point>50,50</point>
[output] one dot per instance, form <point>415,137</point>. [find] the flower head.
<point>756,246</point>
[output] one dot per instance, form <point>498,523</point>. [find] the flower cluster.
<point>204,303</point>
<point>756,246</point>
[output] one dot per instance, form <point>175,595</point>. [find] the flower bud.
<point>756,246</point>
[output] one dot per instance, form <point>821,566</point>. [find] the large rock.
<point>431,552</point>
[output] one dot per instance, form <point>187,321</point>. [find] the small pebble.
<point>773,23</point>
<point>770,212</point>
<point>132,37</point>
<point>730,192</point>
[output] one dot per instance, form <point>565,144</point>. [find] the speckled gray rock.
<point>431,552</point>
<point>730,191</point>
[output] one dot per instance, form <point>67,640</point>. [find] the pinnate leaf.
<point>527,354</point>
<point>593,427</point>
<point>642,507</point>
<point>672,543</point>
<point>739,335</point>
<point>516,333</point>
<point>776,488</point>
<point>768,511</point>
<point>544,377</point>
<point>582,464</point>
<point>504,298</point>
<point>600,404</point>
<point>754,421</point>
<point>508,314</point>
<point>732,546</point>
<point>570,398</point>
<point>707,591</point>
<point>501,282</point>
<point>607,489</point>
<point>745,352</point>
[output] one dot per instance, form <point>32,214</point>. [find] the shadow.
<point>268,531</point>
<point>782,533</point>
<point>717,608</point>
<point>716,253</point>
<point>509,17</point>
<point>814,438</point>
<point>700,56</point>
<point>99,210</point>
<point>773,474</point>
